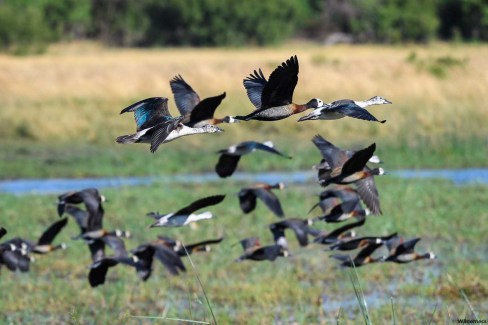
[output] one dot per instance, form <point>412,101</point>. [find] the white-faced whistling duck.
<point>247,197</point>
<point>336,157</point>
<point>185,215</point>
<point>360,242</point>
<point>44,243</point>
<point>362,258</point>
<point>229,157</point>
<point>344,211</point>
<point>144,259</point>
<point>346,107</point>
<point>254,251</point>
<point>273,98</point>
<point>339,233</point>
<point>198,112</point>
<point>301,228</point>
<point>155,125</point>
<point>334,196</point>
<point>402,251</point>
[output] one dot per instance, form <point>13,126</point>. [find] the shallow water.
<point>56,185</point>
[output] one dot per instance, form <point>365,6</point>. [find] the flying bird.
<point>273,98</point>
<point>365,186</point>
<point>155,125</point>
<point>346,107</point>
<point>403,251</point>
<point>185,215</point>
<point>229,157</point>
<point>254,251</point>
<point>247,197</point>
<point>362,258</point>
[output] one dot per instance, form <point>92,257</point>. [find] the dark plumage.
<point>247,197</point>
<point>336,159</point>
<point>344,211</point>
<point>360,242</point>
<point>229,157</point>
<point>3,232</point>
<point>254,251</point>
<point>196,112</point>
<point>402,251</point>
<point>273,98</point>
<point>301,228</point>
<point>331,237</point>
<point>362,258</point>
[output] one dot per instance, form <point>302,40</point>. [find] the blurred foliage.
<point>28,26</point>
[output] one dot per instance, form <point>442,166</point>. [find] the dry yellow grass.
<point>78,90</point>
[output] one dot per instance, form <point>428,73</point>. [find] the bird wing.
<point>3,232</point>
<point>185,97</point>
<point>407,246</point>
<point>226,165</point>
<point>199,204</point>
<point>281,84</point>
<point>161,131</point>
<point>352,110</point>
<point>247,200</point>
<point>367,191</point>
<point>50,233</point>
<point>340,230</point>
<point>358,160</point>
<point>116,244</point>
<point>334,156</point>
<point>99,269</point>
<point>93,204</point>
<point>271,201</point>
<point>254,85</point>
<point>198,246</point>
<point>149,112</point>
<point>367,251</point>
<point>205,109</point>
<point>169,259</point>
<point>15,260</point>
<point>80,216</point>
<point>97,249</point>
<point>263,147</point>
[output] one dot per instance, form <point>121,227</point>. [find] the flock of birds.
<point>347,179</point>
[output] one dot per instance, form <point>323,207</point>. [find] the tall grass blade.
<point>393,311</point>
<point>465,297</point>
<point>353,275</point>
<point>433,313</point>
<point>201,285</point>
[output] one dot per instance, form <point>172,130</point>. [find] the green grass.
<point>27,159</point>
<point>451,220</point>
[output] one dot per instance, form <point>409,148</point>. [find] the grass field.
<point>60,111</point>
<point>60,116</point>
<point>308,287</point>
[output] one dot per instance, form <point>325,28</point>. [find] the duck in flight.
<point>229,157</point>
<point>273,98</point>
<point>247,197</point>
<point>185,215</point>
<point>346,107</point>
<point>155,125</point>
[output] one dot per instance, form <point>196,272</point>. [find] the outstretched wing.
<point>199,204</point>
<point>281,84</point>
<point>149,112</point>
<point>271,201</point>
<point>334,156</point>
<point>261,146</point>
<point>205,109</point>
<point>368,193</point>
<point>226,165</point>
<point>48,236</point>
<point>358,160</point>
<point>247,200</point>
<point>185,97</point>
<point>161,132</point>
<point>254,85</point>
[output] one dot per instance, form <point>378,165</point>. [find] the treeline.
<point>28,26</point>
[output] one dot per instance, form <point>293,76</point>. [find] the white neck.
<point>185,130</point>
<point>363,104</point>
